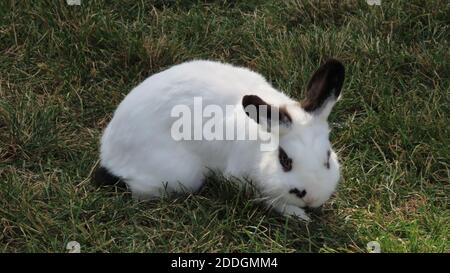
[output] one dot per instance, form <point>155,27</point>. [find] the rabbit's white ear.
<point>324,88</point>
<point>265,114</point>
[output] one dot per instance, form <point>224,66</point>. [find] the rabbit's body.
<point>138,145</point>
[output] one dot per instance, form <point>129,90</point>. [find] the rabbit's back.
<point>137,143</point>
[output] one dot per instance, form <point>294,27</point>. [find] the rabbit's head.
<point>304,170</point>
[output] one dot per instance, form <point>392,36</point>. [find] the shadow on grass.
<point>225,216</point>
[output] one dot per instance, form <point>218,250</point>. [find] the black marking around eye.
<point>285,161</point>
<point>327,163</point>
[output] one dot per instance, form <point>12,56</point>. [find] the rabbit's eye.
<point>327,163</point>
<point>285,161</point>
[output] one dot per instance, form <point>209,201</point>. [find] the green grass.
<point>64,69</point>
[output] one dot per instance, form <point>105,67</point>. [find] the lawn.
<point>64,69</point>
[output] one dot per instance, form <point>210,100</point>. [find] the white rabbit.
<point>138,146</point>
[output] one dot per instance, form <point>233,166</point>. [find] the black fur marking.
<point>327,164</point>
<point>102,177</point>
<point>285,161</point>
<point>327,81</point>
<point>253,100</point>
<point>299,194</point>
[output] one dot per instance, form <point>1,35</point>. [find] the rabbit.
<point>138,148</point>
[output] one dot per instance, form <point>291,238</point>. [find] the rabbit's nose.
<point>298,193</point>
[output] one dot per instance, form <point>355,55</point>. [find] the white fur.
<point>137,145</point>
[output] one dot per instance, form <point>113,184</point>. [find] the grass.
<point>64,69</point>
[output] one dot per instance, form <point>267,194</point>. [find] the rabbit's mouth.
<point>316,211</point>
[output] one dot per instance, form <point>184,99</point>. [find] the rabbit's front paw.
<point>296,212</point>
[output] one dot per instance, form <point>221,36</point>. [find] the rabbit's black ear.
<point>324,88</point>
<point>264,113</point>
